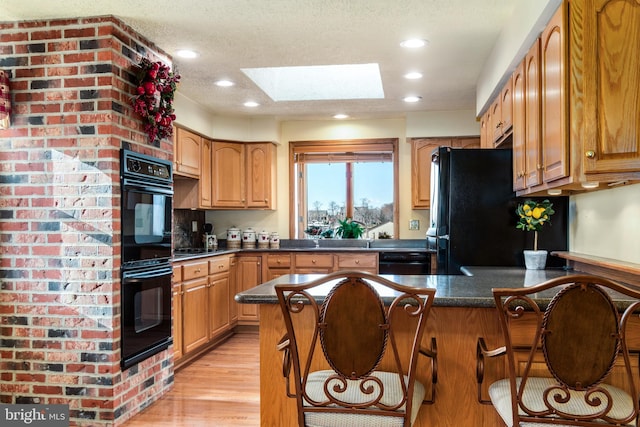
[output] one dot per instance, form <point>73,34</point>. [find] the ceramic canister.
<point>263,239</point>
<point>233,237</point>
<point>249,238</point>
<point>274,240</point>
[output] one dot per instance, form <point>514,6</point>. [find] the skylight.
<point>319,82</point>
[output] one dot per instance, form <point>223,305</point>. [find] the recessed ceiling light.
<point>413,75</point>
<point>186,53</point>
<point>340,116</point>
<point>414,43</point>
<point>224,83</point>
<point>412,98</point>
<point>251,104</point>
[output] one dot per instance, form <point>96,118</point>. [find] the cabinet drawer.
<point>358,261</point>
<point>314,260</point>
<point>278,260</point>
<point>193,270</point>
<point>219,265</point>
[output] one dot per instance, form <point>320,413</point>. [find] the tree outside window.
<point>333,184</point>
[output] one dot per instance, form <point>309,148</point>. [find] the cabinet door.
<point>553,92</point>
<point>519,128</point>
<point>506,106</point>
<point>195,315</point>
<point>177,321</point>
<point>259,170</point>
<point>611,37</point>
<point>204,183</point>
<point>228,175</point>
<point>485,141</point>
<point>496,120</point>
<point>187,153</point>
<point>233,290</point>
<point>421,151</point>
<point>532,108</point>
<point>218,304</point>
<point>248,276</point>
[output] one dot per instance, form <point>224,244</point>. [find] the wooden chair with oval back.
<point>355,357</point>
<point>568,358</point>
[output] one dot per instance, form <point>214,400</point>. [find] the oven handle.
<point>132,184</point>
<point>148,274</point>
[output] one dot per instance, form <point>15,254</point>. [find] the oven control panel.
<point>145,168</point>
<point>149,169</point>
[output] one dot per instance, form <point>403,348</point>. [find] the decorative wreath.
<point>154,98</point>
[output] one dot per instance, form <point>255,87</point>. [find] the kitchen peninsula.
<point>463,310</point>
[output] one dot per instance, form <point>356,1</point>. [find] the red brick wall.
<point>71,83</point>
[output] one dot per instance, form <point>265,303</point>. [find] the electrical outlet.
<point>414,224</point>
<point>194,226</point>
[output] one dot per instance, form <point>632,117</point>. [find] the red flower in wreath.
<point>154,98</point>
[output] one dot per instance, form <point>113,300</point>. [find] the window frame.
<point>341,149</point>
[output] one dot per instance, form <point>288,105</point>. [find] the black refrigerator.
<point>473,212</point>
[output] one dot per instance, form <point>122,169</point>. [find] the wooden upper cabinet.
<point>533,165</point>
<point>486,133</point>
<point>228,174</point>
<point>608,48</point>
<point>187,153</point>
<point>500,114</point>
<point>553,57</point>
<point>259,186</point>
<point>506,106</point>
<point>204,184</point>
<point>243,175</point>
<point>421,151</point>
<point>519,128</point>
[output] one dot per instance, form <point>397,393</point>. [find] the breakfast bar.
<point>463,311</point>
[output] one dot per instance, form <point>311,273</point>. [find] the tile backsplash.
<point>183,236</point>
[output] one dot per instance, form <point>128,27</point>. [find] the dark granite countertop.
<point>473,289</point>
<point>328,245</point>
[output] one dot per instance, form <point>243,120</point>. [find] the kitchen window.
<point>335,180</point>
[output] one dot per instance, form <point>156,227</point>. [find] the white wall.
<point>442,123</point>
<point>193,116</point>
<point>526,24</point>
<point>606,223</point>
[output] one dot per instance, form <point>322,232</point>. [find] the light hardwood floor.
<point>220,389</point>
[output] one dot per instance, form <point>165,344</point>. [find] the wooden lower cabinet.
<point>313,263</point>
<point>195,312</point>
<point>202,305</point>
<point>176,295</point>
<point>218,304</point>
<point>233,290</point>
<point>360,262</point>
<point>248,275</point>
<point>276,265</point>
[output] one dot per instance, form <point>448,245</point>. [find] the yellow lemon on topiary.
<point>537,212</point>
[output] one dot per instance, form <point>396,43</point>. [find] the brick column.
<point>71,83</point>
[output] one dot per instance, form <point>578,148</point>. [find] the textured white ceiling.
<point>234,34</point>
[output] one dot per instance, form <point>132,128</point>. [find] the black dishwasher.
<point>404,262</point>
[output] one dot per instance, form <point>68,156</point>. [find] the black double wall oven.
<point>147,196</point>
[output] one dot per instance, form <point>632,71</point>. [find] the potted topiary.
<point>531,217</point>
<point>349,229</point>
